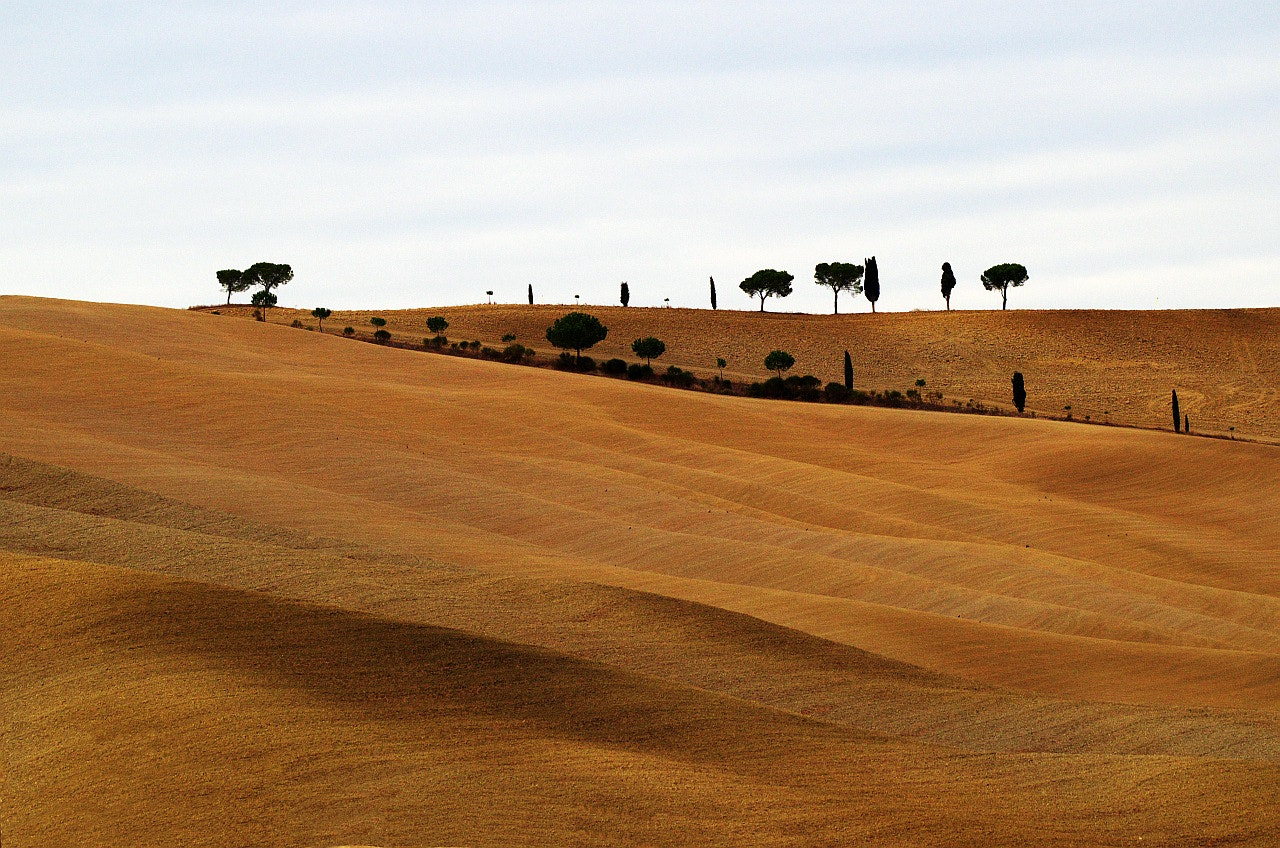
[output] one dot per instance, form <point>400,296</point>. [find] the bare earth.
<point>264,586</point>
<point>1109,365</point>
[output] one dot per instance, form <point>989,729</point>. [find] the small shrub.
<point>348,331</point>
<point>755,390</point>
<point>215,312</point>
<point>382,335</point>
<point>775,387</point>
<point>920,383</point>
<point>914,394</point>
<point>836,393</point>
<point>296,324</point>
<point>614,367</point>
<point>258,315</point>
<point>678,377</point>
<point>859,397</point>
<point>438,342</point>
<point>893,397</point>
<point>638,371</point>
<point>490,352</point>
<point>568,362</point>
<point>508,338</point>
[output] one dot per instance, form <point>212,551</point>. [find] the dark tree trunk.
<point>835,306</point>
<point>762,303</point>
<point>948,303</point>
<point>1004,298</point>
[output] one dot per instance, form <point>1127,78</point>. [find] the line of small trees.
<point>766,283</point>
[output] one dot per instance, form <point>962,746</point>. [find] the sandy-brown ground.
<point>263,586</point>
<point>1109,365</point>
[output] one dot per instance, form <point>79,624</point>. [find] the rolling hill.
<point>1109,365</point>
<point>264,586</point>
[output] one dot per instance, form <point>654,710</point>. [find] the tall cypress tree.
<point>531,294</point>
<point>948,283</point>
<point>1177,419</point>
<point>713,292</point>
<point>848,371</point>
<point>625,294</point>
<point>1186,424</point>
<point>1019,391</point>
<point>871,282</point>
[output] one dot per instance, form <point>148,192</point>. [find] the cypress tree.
<point>1186,424</point>
<point>848,371</point>
<point>948,283</point>
<point>1019,391</point>
<point>713,292</point>
<point>1177,419</point>
<point>531,294</point>
<point>871,282</point>
<point>625,294</point>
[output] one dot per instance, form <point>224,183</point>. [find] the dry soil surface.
<point>264,586</point>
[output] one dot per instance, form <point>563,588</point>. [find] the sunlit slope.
<point>1107,364</point>
<point>1052,558</point>
<point>146,710</point>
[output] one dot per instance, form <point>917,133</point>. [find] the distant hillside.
<point>1109,365</point>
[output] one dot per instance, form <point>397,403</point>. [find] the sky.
<point>403,154</point>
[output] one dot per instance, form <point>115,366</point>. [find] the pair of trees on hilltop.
<point>265,276</point>
<point>1001,278</point>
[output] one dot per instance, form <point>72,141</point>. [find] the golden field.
<point>263,586</point>
<point>1109,365</point>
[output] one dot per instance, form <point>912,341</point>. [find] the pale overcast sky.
<point>412,154</point>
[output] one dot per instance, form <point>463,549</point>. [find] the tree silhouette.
<point>1019,391</point>
<point>320,313</point>
<point>577,331</point>
<point>263,300</point>
<point>268,275</point>
<point>649,348</point>
<point>625,295</point>
<point>838,276</point>
<point>948,283</point>
<point>848,371</point>
<point>490,295</point>
<point>767,283</point>
<point>871,283</point>
<point>233,281</point>
<point>531,294</point>
<point>720,363</point>
<point>1177,420</point>
<point>437,324</point>
<point>713,293</point>
<point>779,360</point>
<point>1010,275</point>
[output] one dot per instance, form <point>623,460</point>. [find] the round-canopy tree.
<point>320,313</point>
<point>649,348</point>
<point>437,324</point>
<point>269,275</point>
<point>1003,277</point>
<point>839,276</point>
<point>767,283</point>
<point>577,331</point>
<point>378,322</point>
<point>779,360</point>
<point>262,301</point>
<point>234,282</point>
<point>948,283</point>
